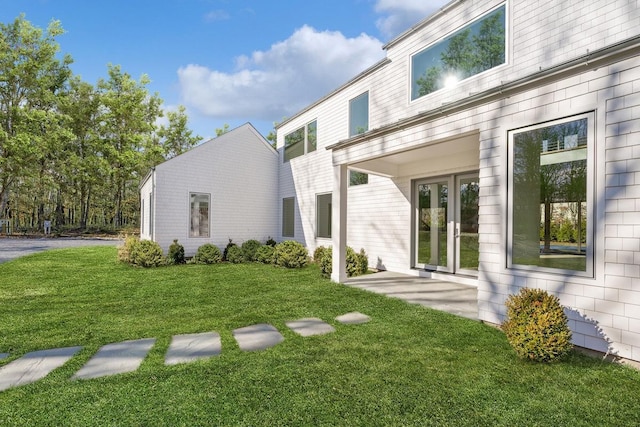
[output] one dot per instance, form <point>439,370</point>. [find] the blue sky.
<point>227,61</point>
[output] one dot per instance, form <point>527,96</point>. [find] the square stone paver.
<point>353,318</point>
<point>257,337</point>
<point>34,366</point>
<point>310,326</point>
<point>191,347</point>
<point>116,358</point>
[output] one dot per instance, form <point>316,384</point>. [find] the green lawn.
<point>408,366</point>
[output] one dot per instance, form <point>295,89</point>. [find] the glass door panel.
<point>467,227</point>
<point>432,221</point>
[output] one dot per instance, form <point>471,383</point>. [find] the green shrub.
<point>536,326</point>
<point>319,253</point>
<point>357,262</point>
<point>326,262</point>
<point>147,253</point>
<point>235,254</point>
<point>207,254</point>
<point>124,250</point>
<point>271,242</point>
<point>291,254</point>
<point>226,249</point>
<point>249,249</point>
<point>264,254</point>
<point>176,253</point>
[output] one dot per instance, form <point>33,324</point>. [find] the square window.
<point>199,214</point>
<point>301,141</point>
<point>475,48</point>
<point>551,198</point>
<point>323,215</point>
<point>288,217</point>
<point>359,114</point>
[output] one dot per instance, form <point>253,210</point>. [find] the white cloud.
<point>400,15</point>
<point>272,84</point>
<point>216,15</point>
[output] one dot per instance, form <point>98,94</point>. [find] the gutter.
<point>591,60</point>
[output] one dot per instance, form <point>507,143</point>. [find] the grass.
<point>408,366</point>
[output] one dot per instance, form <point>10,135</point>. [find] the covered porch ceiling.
<point>440,155</point>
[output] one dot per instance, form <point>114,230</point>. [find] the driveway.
<point>11,248</point>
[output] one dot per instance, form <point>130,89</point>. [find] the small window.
<point>359,114</point>
<point>288,217</point>
<point>301,141</point>
<point>323,213</point>
<point>551,198</point>
<point>471,50</point>
<point>199,218</point>
<point>358,178</point>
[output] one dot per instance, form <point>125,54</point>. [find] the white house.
<point>488,127</point>
<point>222,189</point>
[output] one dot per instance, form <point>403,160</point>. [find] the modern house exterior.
<point>497,145</point>
<point>222,189</point>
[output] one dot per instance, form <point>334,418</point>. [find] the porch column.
<point>339,223</point>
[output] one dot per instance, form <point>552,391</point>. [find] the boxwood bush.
<point>207,254</point>
<point>265,253</point>
<point>147,253</point>
<point>124,250</point>
<point>176,253</point>
<point>249,249</point>
<point>291,254</point>
<point>235,254</point>
<point>536,326</point>
<point>357,262</point>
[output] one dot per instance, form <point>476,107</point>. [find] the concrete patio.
<point>458,299</point>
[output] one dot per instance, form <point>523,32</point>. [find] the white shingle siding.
<point>239,171</point>
<point>542,34</point>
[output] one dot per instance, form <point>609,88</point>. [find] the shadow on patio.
<point>461,300</point>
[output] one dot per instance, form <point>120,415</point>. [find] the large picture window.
<point>323,215</point>
<point>471,50</point>
<point>288,216</point>
<point>551,195</point>
<point>359,114</point>
<point>301,141</point>
<point>199,214</point>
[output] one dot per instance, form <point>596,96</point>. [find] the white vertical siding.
<point>238,169</point>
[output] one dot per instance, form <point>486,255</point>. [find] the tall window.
<point>301,141</point>
<point>551,198</point>
<point>323,215</point>
<point>288,217</point>
<point>471,50</point>
<point>359,114</point>
<point>199,215</point>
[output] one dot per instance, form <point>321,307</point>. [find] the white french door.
<point>446,224</point>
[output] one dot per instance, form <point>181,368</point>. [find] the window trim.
<point>449,35</point>
<point>208,195</point>
<point>293,217</point>
<point>305,141</point>
<point>590,251</point>
<point>318,195</point>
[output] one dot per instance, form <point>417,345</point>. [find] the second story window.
<point>475,48</point>
<point>301,141</point>
<point>359,114</point>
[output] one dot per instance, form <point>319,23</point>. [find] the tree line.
<point>73,152</point>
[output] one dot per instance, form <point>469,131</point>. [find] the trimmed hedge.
<point>249,249</point>
<point>147,253</point>
<point>265,254</point>
<point>357,262</point>
<point>235,254</point>
<point>290,254</point>
<point>536,326</point>
<point>207,254</point>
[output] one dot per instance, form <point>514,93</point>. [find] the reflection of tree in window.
<point>472,50</point>
<point>550,194</point>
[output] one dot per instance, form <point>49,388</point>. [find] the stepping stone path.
<point>192,347</point>
<point>34,366</point>
<point>127,356</point>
